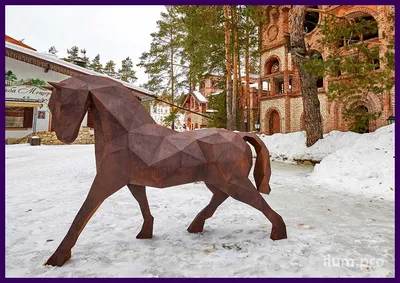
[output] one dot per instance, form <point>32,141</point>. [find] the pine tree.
<point>84,58</point>
<point>96,65</point>
<point>73,54</point>
<point>162,60</point>
<point>126,73</point>
<point>53,50</point>
<point>109,69</point>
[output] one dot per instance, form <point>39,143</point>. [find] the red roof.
<point>17,42</point>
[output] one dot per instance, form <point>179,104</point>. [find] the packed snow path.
<point>329,233</point>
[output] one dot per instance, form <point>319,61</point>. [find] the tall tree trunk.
<point>229,117</point>
<point>250,118</point>
<point>260,68</point>
<point>172,80</point>
<point>308,81</point>
<point>235,68</point>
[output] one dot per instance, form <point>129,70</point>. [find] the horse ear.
<point>48,87</point>
<point>57,86</point>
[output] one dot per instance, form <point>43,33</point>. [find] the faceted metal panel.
<point>132,150</point>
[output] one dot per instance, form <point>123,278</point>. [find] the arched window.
<point>311,20</point>
<point>272,66</point>
<point>364,27</point>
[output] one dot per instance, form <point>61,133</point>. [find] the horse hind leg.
<point>243,190</point>
<point>217,199</point>
<point>139,193</point>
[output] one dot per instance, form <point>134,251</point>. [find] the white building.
<point>159,111</point>
<point>26,102</point>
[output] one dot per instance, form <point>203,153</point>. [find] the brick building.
<point>197,101</point>
<point>278,101</point>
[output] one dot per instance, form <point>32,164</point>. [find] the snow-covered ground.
<point>354,163</point>
<point>330,233</point>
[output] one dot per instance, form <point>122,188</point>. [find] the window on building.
<point>279,84</point>
<point>19,117</point>
<point>311,20</point>
<point>290,84</point>
<point>365,27</point>
<point>271,66</point>
<point>266,85</point>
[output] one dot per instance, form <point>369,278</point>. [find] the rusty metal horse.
<point>132,150</point>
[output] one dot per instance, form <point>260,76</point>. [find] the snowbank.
<point>292,146</point>
<point>351,162</point>
<point>365,165</point>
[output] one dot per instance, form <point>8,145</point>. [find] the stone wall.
<point>50,138</point>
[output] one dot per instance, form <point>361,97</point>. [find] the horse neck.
<point>123,111</point>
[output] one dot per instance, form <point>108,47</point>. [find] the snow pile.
<point>292,146</point>
<point>365,165</point>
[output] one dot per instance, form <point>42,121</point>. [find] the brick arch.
<point>272,121</point>
<point>358,103</point>
<point>364,10</point>
<point>371,101</point>
<point>358,11</point>
<point>268,64</point>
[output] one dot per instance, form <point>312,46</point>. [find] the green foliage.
<point>165,46</point>
<point>172,115</point>
<point>203,44</point>
<point>35,82</point>
<point>217,102</point>
<point>73,54</point>
<point>96,65</point>
<point>126,73</point>
<point>11,78</point>
<point>109,69</point>
<point>359,119</point>
<point>355,66</point>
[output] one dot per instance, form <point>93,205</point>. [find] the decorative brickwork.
<point>284,94</point>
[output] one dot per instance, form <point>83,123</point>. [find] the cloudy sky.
<point>114,32</point>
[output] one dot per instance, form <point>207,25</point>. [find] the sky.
<point>114,32</point>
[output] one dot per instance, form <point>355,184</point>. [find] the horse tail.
<point>262,168</point>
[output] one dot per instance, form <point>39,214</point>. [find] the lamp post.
<point>390,120</point>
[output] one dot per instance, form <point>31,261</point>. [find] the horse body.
<point>132,150</point>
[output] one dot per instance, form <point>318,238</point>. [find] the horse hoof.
<point>278,234</point>
<point>194,229</point>
<point>58,259</point>
<point>143,235</point>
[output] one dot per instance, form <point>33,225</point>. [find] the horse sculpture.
<point>132,150</point>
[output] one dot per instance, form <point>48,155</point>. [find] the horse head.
<point>69,102</point>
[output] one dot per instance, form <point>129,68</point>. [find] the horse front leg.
<point>139,193</point>
<point>99,191</point>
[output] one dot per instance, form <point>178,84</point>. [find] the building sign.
<point>28,89</point>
